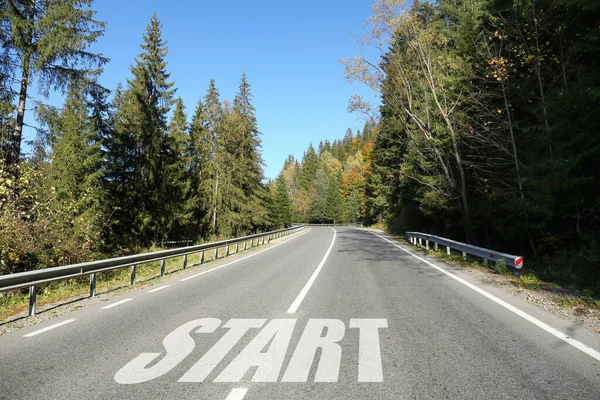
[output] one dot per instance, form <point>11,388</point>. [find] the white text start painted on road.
<point>265,352</point>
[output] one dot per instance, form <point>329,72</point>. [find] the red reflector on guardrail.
<point>519,263</point>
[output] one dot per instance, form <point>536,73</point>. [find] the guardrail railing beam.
<point>416,239</point>
<point>31,279</point>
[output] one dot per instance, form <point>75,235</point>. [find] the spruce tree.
<point>310,163</point>
<point>77,165</point>
<point>250,172</point>
<point>211,151</point>
<point>178,182</point>
<point>282,205</point>
<point>141,127</point>
<point>47,42</point>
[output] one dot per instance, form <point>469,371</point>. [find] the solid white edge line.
<point>294,307</point>
<point>553,331</point>
<point>244,258</point>
<point>158,288</point>
<point>118,303</point>
<point>237,394</point>
<point>50,327</point>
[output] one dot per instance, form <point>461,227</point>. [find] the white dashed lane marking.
<point>294,307</point>
<point>118,303</point>
<point>158,288</point>
<point>49,327</point>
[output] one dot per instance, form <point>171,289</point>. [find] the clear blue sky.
<point>289,50</point>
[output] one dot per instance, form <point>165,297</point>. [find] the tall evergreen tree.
<point>141,126</point>
<point>77,165</point>
<point>282,206</point>
<point>211,151</point>
<point>47,41</point>
<point>178,182</point>
<point>250,172</point>
<point>310,163</point>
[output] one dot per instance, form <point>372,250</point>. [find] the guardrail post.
<point>32,301</point>
<point>216,255</point>
<point>245,244</point>
<point>420,243</point>
<point>162,267</point>
<point>427,244</point>
<point>435,246</point>
<point>464,255</point>
<point>227,251</point>
<point>133,268</point>
<point>202,257</point>
<point>485,261</point>
<point>448,250</point>
<point>237,248</point>
<point>92,285</point>
<point>185,261</point>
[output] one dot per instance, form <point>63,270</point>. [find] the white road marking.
<point>328,368</point>
<point>208,362</point>
<point>242,259</point>
<point>178,345</point>
<point>277,335</point>
<point>294,307</point>
<point>553,331</point>
<point>50,327</point>
<point>118,303</point>
<point>158,288</point>
<point>237,394</point>
<point>265,352</point>
<point>369,353</point>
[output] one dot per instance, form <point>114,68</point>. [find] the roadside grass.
<point>17,301</point>
<point>579,301</point>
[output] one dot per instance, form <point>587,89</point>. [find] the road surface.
<point>325,314</point>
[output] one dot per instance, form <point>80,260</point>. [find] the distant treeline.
<point>112,176</point>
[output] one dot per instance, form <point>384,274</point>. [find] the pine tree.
<point>250,172</point>
<point>319,212</point>
<point>310,164</point>
<point>178,168</point>
<point>48,41</point>
<point>211,151</point>
<point>77,166</point>
<point>282,206</point>
<point>141,132</point>
<point>197,201</point>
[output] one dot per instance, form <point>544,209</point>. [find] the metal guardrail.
<point>33,278</point>
<point>417,238</point>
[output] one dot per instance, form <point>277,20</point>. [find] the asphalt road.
<point>323,314</point>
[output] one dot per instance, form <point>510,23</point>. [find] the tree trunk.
<point>214,216</point>
<point>15,151</point>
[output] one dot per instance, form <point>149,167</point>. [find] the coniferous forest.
<point>488,132</point>
<point>116,171</point>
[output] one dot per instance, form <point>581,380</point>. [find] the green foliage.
<point>500,268</point>
<point>282,212</point>
<point>47,41</point>
<point>141,150</point>
<point>113,178</point>
<point>488,129</point>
